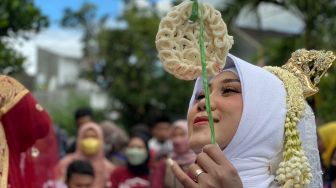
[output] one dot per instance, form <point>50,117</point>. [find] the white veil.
<point>307,129</point>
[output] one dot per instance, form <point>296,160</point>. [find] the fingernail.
<point>170,162</point>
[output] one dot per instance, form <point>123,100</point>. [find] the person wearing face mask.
<point>136,173</point>
<point>90,147</point>
<point>182,154</point>
<point>327,134</point>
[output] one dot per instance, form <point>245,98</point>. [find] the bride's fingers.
<point>216,154</point>
<point>196,171</point>
<point>184,179</point>
<point>204,179</point>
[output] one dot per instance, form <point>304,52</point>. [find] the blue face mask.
<point>136,156</point>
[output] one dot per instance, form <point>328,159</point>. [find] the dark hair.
<point>144,137</point>
<point>161,119</point>
<point>81,112</point>
<point>140,129</point>
<point>79,167</point>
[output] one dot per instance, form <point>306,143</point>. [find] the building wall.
<point>58,78</point>
<point>46,66</point>
<point>68,71</point>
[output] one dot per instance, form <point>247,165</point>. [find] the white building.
<point>56,70</point>
<point>57,80</point>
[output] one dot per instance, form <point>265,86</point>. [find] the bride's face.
<point>226,105</point>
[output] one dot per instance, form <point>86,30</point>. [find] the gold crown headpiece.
<point>309,67</point>
<point>304,68</point>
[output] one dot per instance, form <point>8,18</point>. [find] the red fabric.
<point>45,163</point>
<point>24,124</point>
<point>152,155</point>
<point>121,177</point>
<point>158,175</point>
<point>159,172</point>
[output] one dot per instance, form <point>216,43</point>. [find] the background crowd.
<point>138,158</point>
<point>104,155</point>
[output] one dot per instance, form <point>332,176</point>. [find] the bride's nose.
<point>201,105</point>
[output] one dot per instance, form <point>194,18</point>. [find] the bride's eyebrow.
<point>226,80</point>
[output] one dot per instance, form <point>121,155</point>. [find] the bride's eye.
<point>200,96</point>
<point>228,90</point>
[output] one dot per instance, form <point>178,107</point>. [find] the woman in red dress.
<point>24,124</point>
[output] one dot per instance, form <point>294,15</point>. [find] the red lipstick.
<point>203,120</point>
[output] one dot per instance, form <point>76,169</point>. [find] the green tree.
<point>125,64</point>
<point>85,18</point>
<point>63,114</point>
<point>139,87</point>
<point>318,17</point>
<point>16,18</point>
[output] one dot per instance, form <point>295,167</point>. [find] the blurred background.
<point>101,53</point>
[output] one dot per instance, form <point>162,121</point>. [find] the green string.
<point>194,11</point>
<point>193,18</point>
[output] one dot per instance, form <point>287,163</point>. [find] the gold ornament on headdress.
<point>300,75</point>
<point>309,67</point>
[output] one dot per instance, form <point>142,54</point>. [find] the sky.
<point>67,41</point>
<point>54,8</point>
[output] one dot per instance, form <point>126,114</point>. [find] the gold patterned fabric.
<point>11,91</point>
<point>4,160</point>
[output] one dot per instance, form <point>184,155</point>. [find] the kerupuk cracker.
<point>177,41</point>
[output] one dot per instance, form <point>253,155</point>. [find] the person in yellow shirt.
<point>327,133</point>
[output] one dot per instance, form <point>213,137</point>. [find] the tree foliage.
<point>10,60</point>
<point>139,87</point>
<point>85,19</point>
<point>326,99</point>
<point>63,113</point>
<point>127,67</point>
<point>16,18</point>
<point>126,63</point>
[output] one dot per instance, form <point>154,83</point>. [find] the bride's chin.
<point>197,150</point>
<point>197,146</point>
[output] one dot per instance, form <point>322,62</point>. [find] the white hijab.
<point>256,148</point>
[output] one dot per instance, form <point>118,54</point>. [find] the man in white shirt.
<point>160,143</point>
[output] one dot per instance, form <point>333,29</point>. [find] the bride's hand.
<point>212,169</point>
